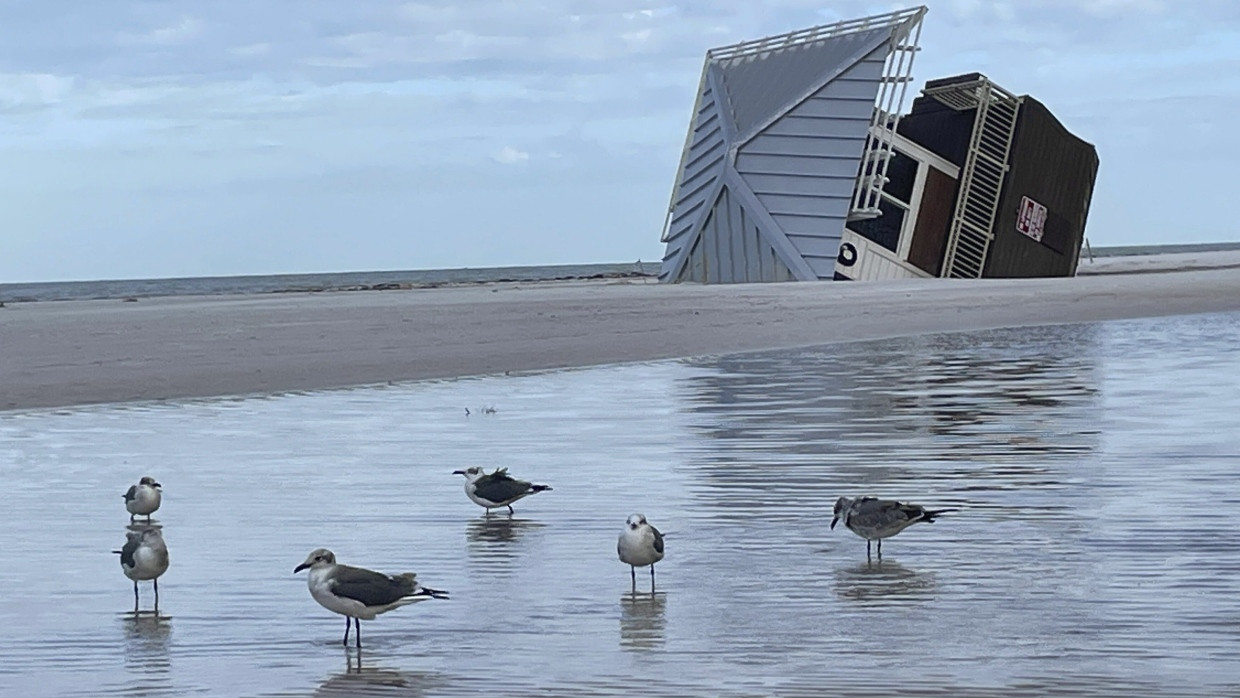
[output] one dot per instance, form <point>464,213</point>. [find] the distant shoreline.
<point>166,348</point>
<point>1142,250</point>
<point>409,279</point>
<point>316,282</point>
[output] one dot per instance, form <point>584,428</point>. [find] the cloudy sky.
<point>186,138</point>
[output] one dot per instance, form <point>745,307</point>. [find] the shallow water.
<point>1097,549</point>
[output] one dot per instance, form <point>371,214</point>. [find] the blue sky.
<point>179,138</point>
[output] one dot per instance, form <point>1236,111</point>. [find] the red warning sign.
<point>1031,218</point>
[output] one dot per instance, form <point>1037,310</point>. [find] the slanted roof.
<point>770,163</point>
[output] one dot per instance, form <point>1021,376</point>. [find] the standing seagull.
<point>497,489</point>
<point>356,593</point>
<point>876,519</point>
<point>144,556</point>
<point>143,498</point>
<point>640,544</point>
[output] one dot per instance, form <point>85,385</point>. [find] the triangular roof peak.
<point>800,37</point>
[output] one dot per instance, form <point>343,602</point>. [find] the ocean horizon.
<point>314,282</point>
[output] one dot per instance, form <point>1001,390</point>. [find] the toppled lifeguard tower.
<point>800,166</point>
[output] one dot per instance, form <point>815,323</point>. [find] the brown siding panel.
<point>1055,169</point>
<point>933,221</point>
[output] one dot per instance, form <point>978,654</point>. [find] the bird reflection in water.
<point>147,636</point>
<point>642,620</point>
<point>484,530</point>
<point>495,544</point>
<point>359,679</point>
<point>883,582</point>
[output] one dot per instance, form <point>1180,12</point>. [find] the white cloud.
<point>257,49</point>
<point>509,155</point>
<point>184,30</point>
<point>32,90</point>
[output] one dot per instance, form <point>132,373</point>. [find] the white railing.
<point>888,105</point>
<point>822,31</point>
<point>981,178</point>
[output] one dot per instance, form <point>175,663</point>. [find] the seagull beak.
<point>158,485</point>
<point>833,522</point>
<point>300,567</point>
<point>458,472</point>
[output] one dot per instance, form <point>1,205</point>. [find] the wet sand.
<point>83,352</point>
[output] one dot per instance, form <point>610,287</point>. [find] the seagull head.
<point>149,482</point>
<point>316,558</point>
<point>841,505</point>
<point>471,473</point>
<point>636,521</point>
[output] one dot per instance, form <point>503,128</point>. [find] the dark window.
<point>901,171</point>
<point>884,230</point>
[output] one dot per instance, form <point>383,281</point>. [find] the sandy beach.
<point>82,352</point>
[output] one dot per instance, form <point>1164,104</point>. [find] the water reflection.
<point>488,535</point>
<point>147,640</point>
<point>884,582</point>
<point>140,526</point>
<point>809,425</point>
<point>360,679</point>
<point>495,543</point>
<point>642,620</point>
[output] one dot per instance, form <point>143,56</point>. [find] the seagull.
<point>144,556</point>
<point>143,498</point>
<point>640,544</point>
<point>357,593</point>
<point>497,489</point>
<point>876,519</point>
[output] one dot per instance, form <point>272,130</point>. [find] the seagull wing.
<point>370,588</point>
<point>872,513</point>
<point>131,493</point>
<point>499,487</point>
<point>658,540</point>
<point>128,550</point>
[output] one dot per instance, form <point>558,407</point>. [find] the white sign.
<point>1031,218</point>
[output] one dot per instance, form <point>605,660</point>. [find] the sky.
<point>187,138</point>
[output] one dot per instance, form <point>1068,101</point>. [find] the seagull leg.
<point>156,583</point>
<point>880,548</point>
<point>652,579</point>
<point>348,624</point>
<point>358,623</point>
<point>510,511</point>
<point>867,548</point>
<point>632,574</point>
<point>135,596</point>
<point>148,518</point>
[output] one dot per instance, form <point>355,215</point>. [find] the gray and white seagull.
<point>144,556</point>
<point>876,519</point>
<point>357,593</point>
<point>143,498</point>
<point>640,544</point>
<point>497,489</point>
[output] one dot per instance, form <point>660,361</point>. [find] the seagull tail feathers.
<point>929,516</point>
<point>540,488</point>
<point>433,593</point>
